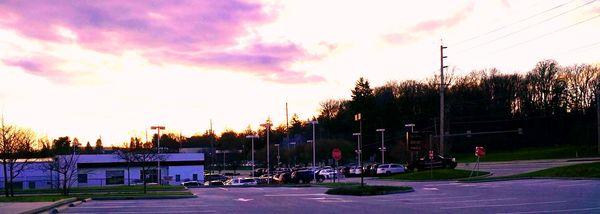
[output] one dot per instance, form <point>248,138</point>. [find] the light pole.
<point>412,126</point>
<point>278,157</point>
<point>267,126</point>
<point>358,117</point>
<point>158,128</point>
<point>314,141</point>
<point>359,159</point>
<point>252,137</point>
<point>382,145</point>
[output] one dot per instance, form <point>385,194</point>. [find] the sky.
<point>114,68</point>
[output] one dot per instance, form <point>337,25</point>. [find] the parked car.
<point>191,184</point>
<point>328,173</point>
<point>355,170</point>
<point>214,183</point>
<point>302,176</point>
<point>215,177</point>
<point>438,162</point>
<point>264,179</point>
<point>242,182</point>
<point>283,178</point>
<point>388,169</point>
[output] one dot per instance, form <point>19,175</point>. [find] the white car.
<point>243,182</point>
<point>388,169</point>
<point>356,170</point>
<point>328,173</point>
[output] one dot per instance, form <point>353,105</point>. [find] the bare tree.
<point>6,137</point>
<point>126,153</point>
<point>145,157</point>
<point>19,154</point>
<point>65,165</point>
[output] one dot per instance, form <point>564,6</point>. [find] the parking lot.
<point>519,196</point>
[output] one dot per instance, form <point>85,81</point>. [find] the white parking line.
<point>429,198</point>
<point>430,189</point>
<point>465,201</point>
<point>555,211</point>
<point>504,205</point>
<point>292,195</point>
<point>196,211</point>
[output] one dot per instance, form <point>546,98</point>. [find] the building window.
<point>151,175</point>
<point>82,178</point>
<point>177,178</point>
<point>31,185</point>
<point>195,177</point>
<point>115,177</point>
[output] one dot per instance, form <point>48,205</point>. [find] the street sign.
<point>336,154</point>
<point>415,142</point>
<point>479,151</point>
<point>430,154</point>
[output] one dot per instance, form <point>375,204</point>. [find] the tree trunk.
<point>144,179</point>
<point>65,192</point>
<point>12,184</point>
<point>128,175</point>
<point>5,178</point>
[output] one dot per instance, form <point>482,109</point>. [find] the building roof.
<point>112,158</point>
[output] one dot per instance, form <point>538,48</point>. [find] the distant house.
<point>108,169</point>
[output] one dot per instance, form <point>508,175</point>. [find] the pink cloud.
<point>429,26</point>
<point>192,32</point>
<point>43,67</point>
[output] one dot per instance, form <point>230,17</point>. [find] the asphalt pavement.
<point>516,196</point>
<point>517,167</point>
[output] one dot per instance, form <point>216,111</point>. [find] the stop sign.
<point>479,151</point>
<point>336,154</point>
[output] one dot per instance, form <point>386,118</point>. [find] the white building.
<point>108,169</point>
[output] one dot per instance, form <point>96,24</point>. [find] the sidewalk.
<point>19,207</point>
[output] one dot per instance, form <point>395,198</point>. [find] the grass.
<point>33,198</point>
<point>585,170</point>
<point>124,188</point>
<point>534,153</point>
<point>338,184</point>
<point>123,192</point>
<point>436,174</point>
<point>367,190</point>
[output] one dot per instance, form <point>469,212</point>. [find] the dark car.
<point>304,176</point>
<point>214,183</point>
<point>215,177</point>
<point>191,184</point>
<point>438,162</point>
<point>372,169</point>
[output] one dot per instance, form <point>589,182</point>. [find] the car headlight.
<point>453,159</point>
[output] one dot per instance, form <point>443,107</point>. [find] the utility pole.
<point>598,115</point>
<point>358,118</point>
<point>442,108</point>
<point>267,126</point>
<point>314,141</point>
<point>382,145</point>
<point>287,126</point>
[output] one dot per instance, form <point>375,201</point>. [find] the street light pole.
<point>158,128</point>
<point>278,157</point>
<point>314,123</point>
<point>267,126</point>
<point>412,126</point>
<point>252,138</point>
<point>382,145</point>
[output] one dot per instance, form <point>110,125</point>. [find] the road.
<point>518,167</point>
<point>517,196</point>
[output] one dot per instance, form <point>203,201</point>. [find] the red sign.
<point>431,154</point>
<point>479,151</point>
<point>336,154</point>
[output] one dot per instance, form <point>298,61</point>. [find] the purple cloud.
<point>192,32</point>
<point>43,67</point>
<point>429,26</point>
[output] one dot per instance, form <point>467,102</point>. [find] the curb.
<point>143,197</point>
<point>51,206</point>
<point>528,178</point>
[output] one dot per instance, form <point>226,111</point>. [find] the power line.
<point>550,33</point>
<point>513,23</point>
<point>524,28</point>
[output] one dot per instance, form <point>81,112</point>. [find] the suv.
<point>242,182</point>
<point>438,162</point>
<point>215,177</point>
<point>388,169</point>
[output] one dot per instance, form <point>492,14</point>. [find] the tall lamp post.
<point>412,127</point>
<point>382,145</point>
<point>158,128</point>
<point>267,126</point>
<point>252,137</point>
<point>278,156</point>
<point>314,141</point>
<point>358,117</point>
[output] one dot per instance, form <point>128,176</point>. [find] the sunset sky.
<point>113,68</point>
